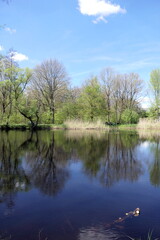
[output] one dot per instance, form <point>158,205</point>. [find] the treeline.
<point>44,95</point>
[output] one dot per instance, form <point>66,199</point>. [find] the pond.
<point>79,185</point>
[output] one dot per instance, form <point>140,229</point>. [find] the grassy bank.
<point>72,124</point>
<point>144,124</point>
<point>127,126</point>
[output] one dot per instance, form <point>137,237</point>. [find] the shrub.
<point>129,116</point>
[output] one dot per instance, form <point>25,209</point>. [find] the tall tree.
<point>121,91</point>
<point>13,81</point>
<point>50,80</point>
<point>107,77</point>
<point>92,100</point>
<point>155,88</point>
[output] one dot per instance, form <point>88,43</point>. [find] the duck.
<point>136,212</point>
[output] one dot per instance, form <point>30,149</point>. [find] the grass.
<point>149,237</point>
<point>145,123</point>
<point>79,124</point>
<point>127,126</point>
<point>51,126</point>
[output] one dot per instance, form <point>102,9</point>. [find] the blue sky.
<point>85,35</point>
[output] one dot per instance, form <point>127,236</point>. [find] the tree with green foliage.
<point>129,116</point>
<point>13,81</point>
<point>69,107</point>
<point>92,101</point>
<point>50,99</point>
<point>29,108</point>
<point>155,88</point>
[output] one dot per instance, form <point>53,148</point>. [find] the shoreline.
<point>24,127</point>
<point>50,127</point>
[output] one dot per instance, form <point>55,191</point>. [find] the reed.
<point>145,123</point>
<point>79,124</point>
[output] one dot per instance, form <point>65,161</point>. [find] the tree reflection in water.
<point>30,159</point>
<point>41,159</point>
<point>47,164</point>
<point>155,166</point>
<point>110,157</point>
<point>12,175</point>
<point>153,143</point>
<point>120,161</point>
<point>44,160</point>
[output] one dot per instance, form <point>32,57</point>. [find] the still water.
<point>75,185</point>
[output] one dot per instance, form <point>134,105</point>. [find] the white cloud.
<point>19,57</point>
<point>1,48</point>
<point>99,8</point>
<point>10,30</point>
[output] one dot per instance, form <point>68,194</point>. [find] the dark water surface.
<point>73,185</point>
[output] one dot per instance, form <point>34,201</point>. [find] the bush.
<point>129,116</point>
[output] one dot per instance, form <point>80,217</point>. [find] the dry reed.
<point>79,124</point>
<point>148,124</point>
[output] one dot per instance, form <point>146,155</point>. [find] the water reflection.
<point>40,159</point>
<point>63,163</point>
<point>110,157</point>
<point>155,166</point>
<point>46,164</point>
<point>12,176</point>
<point>120,161</point>
<point>30,159</point>
<point>153,144</point>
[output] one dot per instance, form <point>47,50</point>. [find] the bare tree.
<point>50,80</point>
<point>107,77</point>
<point>135,86</point>
<point>127,93</point>
<point>121,91</point>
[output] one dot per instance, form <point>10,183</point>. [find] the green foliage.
<point>45,117</point>
<point>153,112</point>
<point>12,85</point>
<point>155,80</point>
<point>155,87</point>
<point>16,118</point>
<point>69,110</point>
<point>47,100</point>
<point>30,110</point>
<point>91,101</point>
<point>129,116</point>
<point>60,117</point>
